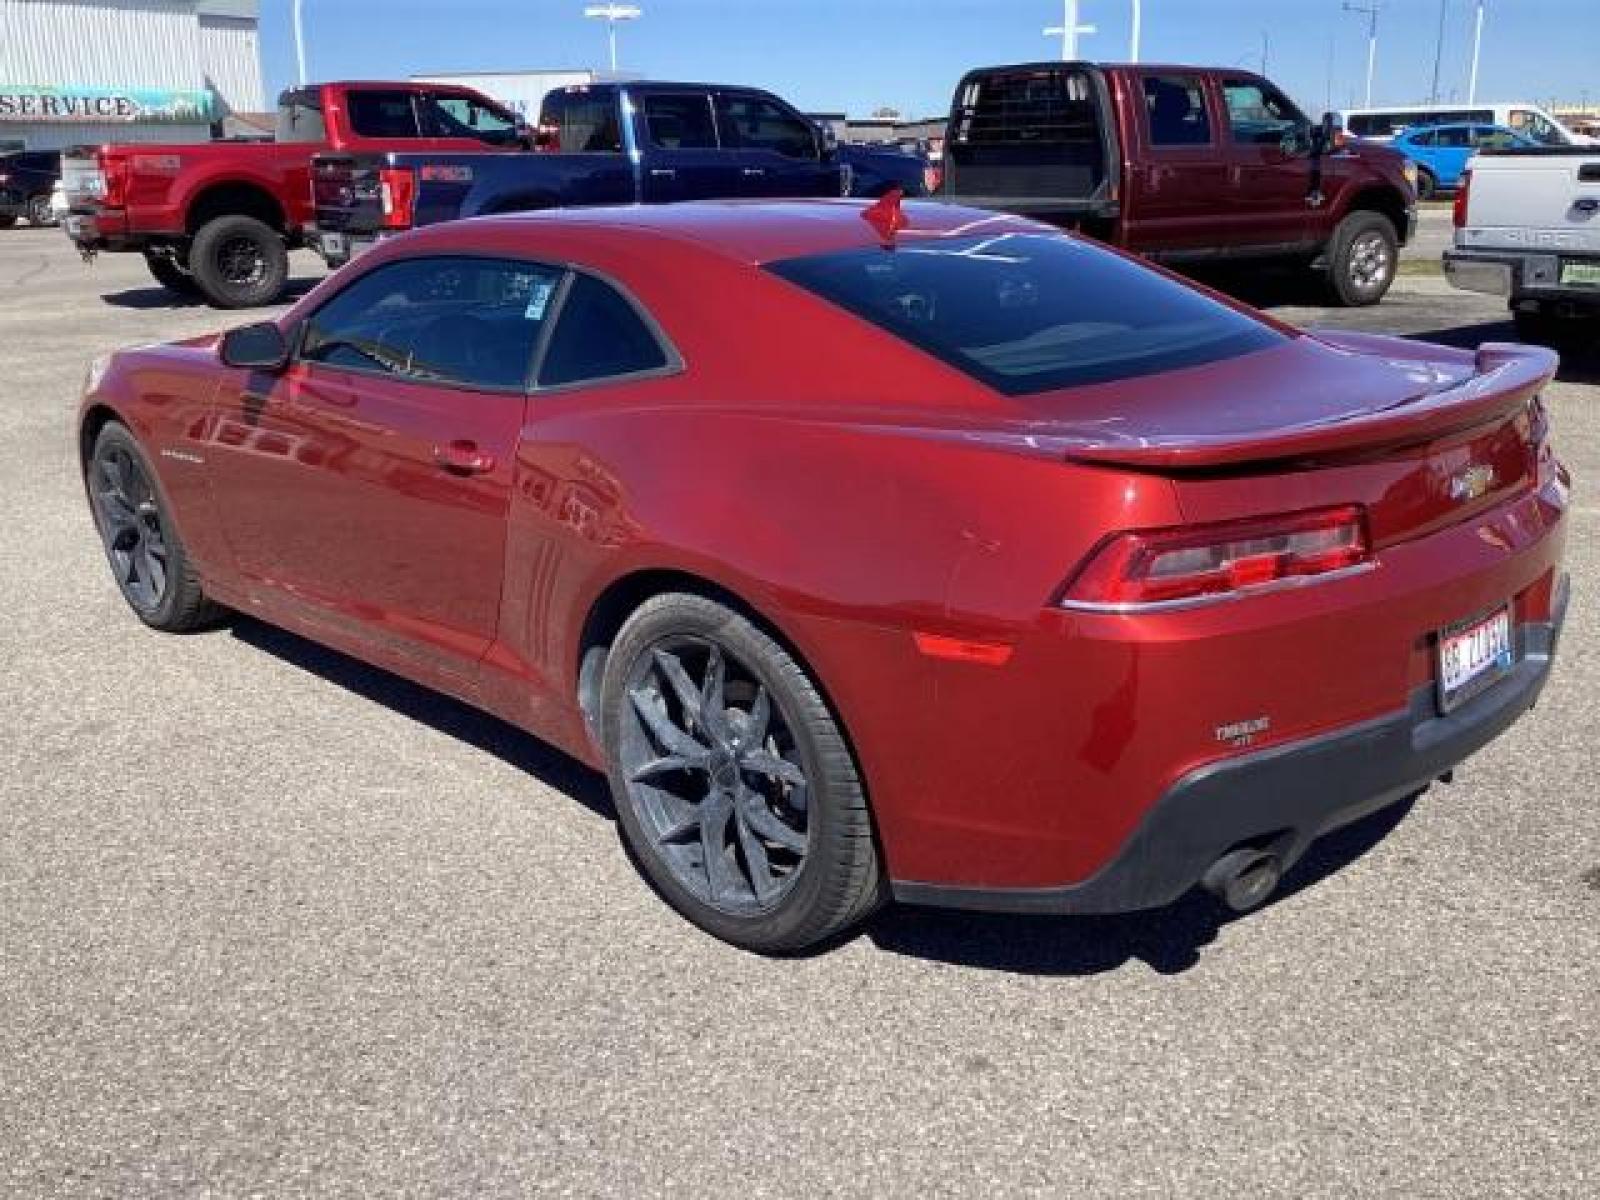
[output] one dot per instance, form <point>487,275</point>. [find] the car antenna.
<point>886,216</point>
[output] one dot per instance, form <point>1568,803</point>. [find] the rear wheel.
<point>239,262</point>
<point>1363,256</point>
<point>39,211</point>
<point>733,784</point>
<point>147,558</point>
<point>170,275</point>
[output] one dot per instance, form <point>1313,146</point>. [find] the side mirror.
<point>1328,137</point>
<point>259,347</point>
<point>827,142</point>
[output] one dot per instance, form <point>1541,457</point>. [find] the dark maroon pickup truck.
<point>1181,164</point>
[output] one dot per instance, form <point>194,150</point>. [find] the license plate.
<point>1581,274</point>
<point>334,245</point>
<point>1473,656</point>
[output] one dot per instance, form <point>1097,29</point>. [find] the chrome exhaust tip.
<point>1243,879</point>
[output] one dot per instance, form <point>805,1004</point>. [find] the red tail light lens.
<point>114,170</point>
<point>1458,208</point>
<point>1215,561</point>
<point>932,177</point>
<point>398,191</point>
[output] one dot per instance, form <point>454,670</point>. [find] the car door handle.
<point>663,173</point>
<point>755,172</point>
<point>462,457</point>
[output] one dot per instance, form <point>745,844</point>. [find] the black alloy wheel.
<point>733,783</point>
<point>147,557</point>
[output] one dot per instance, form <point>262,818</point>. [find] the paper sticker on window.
<point>539,299</point>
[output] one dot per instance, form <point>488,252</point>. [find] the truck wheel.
<point>1427,185</point>
<point>170,275</point>
<point>238,262</point>
<point>1362,257</point>
<point>39,211</point>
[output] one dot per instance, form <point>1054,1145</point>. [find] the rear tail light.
<point>1213,562</point>
<point>932,177</point>
<point>397,190</point>
<point>1458,209</point>
<point>114,170</point>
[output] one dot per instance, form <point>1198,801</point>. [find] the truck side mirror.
<point>258,347</point>
<point>827,142</point>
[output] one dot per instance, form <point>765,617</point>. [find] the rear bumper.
<point>1282,798</point>
<point>336,247</point>
<point>1516,274</point>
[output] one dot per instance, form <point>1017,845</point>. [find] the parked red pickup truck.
<point>1182,164</point>
<point>220,218</point>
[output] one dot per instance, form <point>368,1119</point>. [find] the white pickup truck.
<point>1527,226</point>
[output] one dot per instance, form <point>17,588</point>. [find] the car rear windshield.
<point>1024,312</point>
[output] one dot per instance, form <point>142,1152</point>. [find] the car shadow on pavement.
<point>435,710</point>
<point>156,296</point>
<point>1168,940</point>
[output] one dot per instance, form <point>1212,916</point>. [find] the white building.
<point>523,91</point>
<point>80,71</point>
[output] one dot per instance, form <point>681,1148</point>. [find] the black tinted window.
<point>752,123</point>
<point>584,124</point>
<point>1030,312</point>
<point>1453,137</point>
<point>466,321</point>
<point>681,122</point>
<point>382,114</point>
<point>1175,106</point>
<point>599,336</point>
<point>1040,107</point>
<point>453,116</point>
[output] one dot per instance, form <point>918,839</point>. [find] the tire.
<point>1427,185</point>
<point>1363,255</point>
<point>39,214</point>
<point>777,779</point>
<point>136,529</point>
<point>7,222</point>
<point>239,262</point>
<point>170,275</point>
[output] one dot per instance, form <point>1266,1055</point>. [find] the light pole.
<point>611,14</point>
<point>1133,39</point>
<point>299,44</point>
<point>1438,51</point>
<point>1068,30</point>
<point>1371,13</point>
<point>1477,42</point>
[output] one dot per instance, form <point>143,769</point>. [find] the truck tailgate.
<point>1534,201</point>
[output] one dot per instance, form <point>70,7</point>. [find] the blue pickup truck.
<point>611,143</point>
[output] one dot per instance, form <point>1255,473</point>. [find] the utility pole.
<point>611,14</point>
<point>1477,42</point>
<point>1264,44</point>
<point>1068,30</point>
<point>1133,40</point>
<point>299,44</point>
<point>1438,51</point>
<point>1371,13</point>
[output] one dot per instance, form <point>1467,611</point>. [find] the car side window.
<point>469,322</point>
<point>680,121</point>
<point>599,335</point>
<point>1493,138</point>
<point>382,114</point>
<point>1259,115</point>
<point>1175,110</point>
<point>755,123</point>
<point>1453,137</point>
<point>1424,137</point>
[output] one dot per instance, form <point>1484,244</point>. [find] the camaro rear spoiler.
<point>1506,376</point>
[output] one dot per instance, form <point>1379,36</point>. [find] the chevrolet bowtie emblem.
<point>1471,483</point>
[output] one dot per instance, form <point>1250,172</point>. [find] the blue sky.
<point>858,55</point>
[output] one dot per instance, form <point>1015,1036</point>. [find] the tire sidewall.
<point>114,433</point>
<point>207,272</point>
<point>792,923</point>
<point>36,206</point>
<point>1350,230</point>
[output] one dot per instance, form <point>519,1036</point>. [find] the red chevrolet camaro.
<point>936,555</point>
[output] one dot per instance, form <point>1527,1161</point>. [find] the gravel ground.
<point>274,923</point>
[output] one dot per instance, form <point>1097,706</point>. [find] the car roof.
<point>756,231</point>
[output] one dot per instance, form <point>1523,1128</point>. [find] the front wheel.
<point>1363,256</point>
<point>239,262</point>
<point>148,560</point>
<point>733,783</point>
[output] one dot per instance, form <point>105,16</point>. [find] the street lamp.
<point>1477,41</point>
<point>1068,30</point>
<point>1371,13</point>
<point>611,14</point>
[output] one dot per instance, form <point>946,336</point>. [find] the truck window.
<point>680,121</point>
<point>1044,108</point>
<point>583,124</point>
<point>1258,114</point>
<point>1534,125</point>
<point>754,123</point>
<point>448,116</point>
<point>1175,109</point>
<point>382,114</point>
<point>300,117</point>
<point>471,322</point>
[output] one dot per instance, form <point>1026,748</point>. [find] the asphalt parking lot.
<point>272,922</point>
